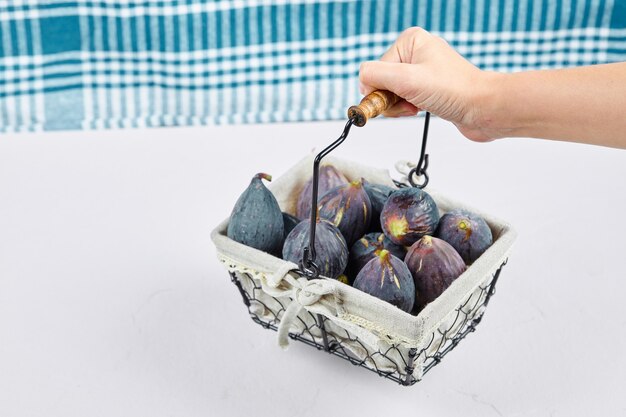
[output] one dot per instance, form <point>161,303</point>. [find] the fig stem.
<point>263,176</point>
<point>383,255</point>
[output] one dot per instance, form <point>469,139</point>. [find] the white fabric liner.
<point>376,323</point>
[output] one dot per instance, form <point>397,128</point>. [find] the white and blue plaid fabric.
<point>87,64</point>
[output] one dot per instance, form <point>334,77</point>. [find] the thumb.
<point>401,79</point>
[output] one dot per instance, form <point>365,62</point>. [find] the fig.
<point>378,195</point>
<point>468,233</point>
<point>347,207</point>
<point>434,265</point>
<point>330,247</point>
<point>329,177</point>
<point>409,214</point>
<point>289,222</point>
<point>367,248</point>
<point>388,278</point>
<point>256,219</point>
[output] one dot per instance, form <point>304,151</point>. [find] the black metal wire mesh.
<point>402,364</point>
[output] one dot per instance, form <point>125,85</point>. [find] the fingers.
<point>401,109</point>
<point>393,72</point>
<point>392,54</point>
<point>397,78</point>
<point>404,47</point>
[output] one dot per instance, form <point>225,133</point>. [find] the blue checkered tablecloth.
<point>112,64</point>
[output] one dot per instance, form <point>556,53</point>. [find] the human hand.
<point>428,74</point>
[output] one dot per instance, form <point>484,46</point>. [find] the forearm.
<point>584,104</point>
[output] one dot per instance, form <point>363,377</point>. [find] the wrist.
<point>498,106</point>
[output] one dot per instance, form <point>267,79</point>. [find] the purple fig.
<point>256,219</point>
<point>378,194</point>
<point>330,247</point>
<point>467,232</point>
<point>409,214</point>
<point>290,222</point>
<point>347,207</point>
<point>367,248</point>
<point>434,265</point>
<point>329,177</point>
<point>388,278</point>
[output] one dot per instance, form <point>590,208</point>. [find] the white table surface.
<point>112,302</point>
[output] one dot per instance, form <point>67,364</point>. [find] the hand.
<point>430,75</point>
<point>583,104</point>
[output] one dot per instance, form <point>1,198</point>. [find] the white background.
<point>112,302</point>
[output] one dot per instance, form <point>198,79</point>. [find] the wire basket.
<point>336,318</point>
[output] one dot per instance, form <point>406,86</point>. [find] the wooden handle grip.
<point>372,105</point>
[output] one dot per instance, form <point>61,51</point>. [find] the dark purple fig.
<point>378,194</point>
<point>434,265</point>
<point>388,278</point>
<point>367,248</point>
<point>256,219</point>
<point>347,207</point>
<point>409,214</point>
<point>330,247</point>
<point>290,222</point>
<point>329,177</point>
<point>467,232</point>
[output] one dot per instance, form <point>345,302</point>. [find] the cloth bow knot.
<point>305,293</point>
<point>311,291</point>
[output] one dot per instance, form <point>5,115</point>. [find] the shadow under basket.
<point>345,322</point>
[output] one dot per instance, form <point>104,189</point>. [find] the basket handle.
<point>307,264</point>
<point>372,105</point>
